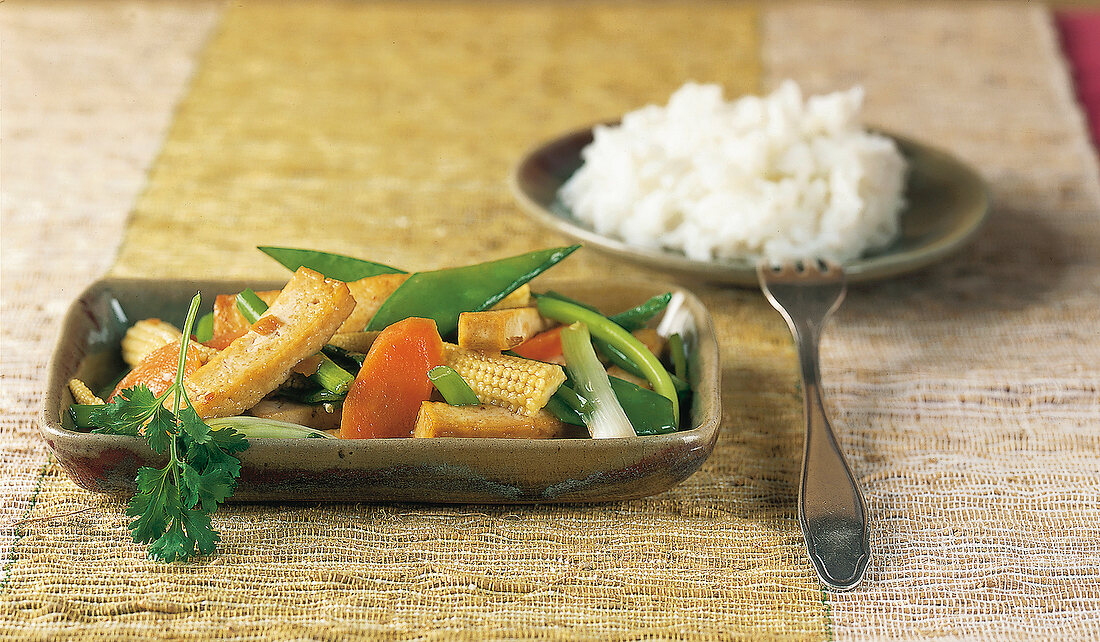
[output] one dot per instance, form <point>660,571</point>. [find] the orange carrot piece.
<point>229,323</point>
<point>385,397</point>
<point>158,370</point>
<point>544,346</point>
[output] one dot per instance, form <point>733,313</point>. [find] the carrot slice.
<point>544,346</point>
<point>157,371</point>
<point>229,324</point>
<point>385,397</point>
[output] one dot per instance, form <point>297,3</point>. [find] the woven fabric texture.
<point>966,394</point>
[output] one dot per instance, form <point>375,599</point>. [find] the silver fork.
<point>831,508</point>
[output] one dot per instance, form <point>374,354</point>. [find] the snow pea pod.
<point>444,294</point>
<point>334,266</point>
<point>637,317</point>
<point>649,412</point>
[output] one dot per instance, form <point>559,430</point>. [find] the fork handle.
<point>831,508</point>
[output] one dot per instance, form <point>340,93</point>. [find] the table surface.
<point>164,139</point>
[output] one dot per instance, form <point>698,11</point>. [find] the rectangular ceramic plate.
<point>418,470</point>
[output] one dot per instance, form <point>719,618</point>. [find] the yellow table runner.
<point>387,131</point>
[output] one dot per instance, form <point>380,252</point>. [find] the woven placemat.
<point>386,131</point>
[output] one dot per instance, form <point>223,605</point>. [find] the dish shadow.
<point>1016,260</point>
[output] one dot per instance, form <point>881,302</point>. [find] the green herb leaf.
<point>210,487</point>
<point>151,504</point>
<point>160,430</point>
<point>173,505</point>
<point>173,545</point>
<point>126,414</point>
<point>199,528</point>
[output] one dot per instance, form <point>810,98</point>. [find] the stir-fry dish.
<point>355,349</point>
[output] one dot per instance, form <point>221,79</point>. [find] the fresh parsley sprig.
<point>174,504</point>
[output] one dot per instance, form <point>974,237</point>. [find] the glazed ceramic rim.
<point>344,454</point>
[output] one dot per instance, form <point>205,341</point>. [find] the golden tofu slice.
<point>296,326</point>
<point>318,416</point>
<point>355,341</point>
<point>369,294</point>
<point>518,298</point>
<point>438,419</point>
<point>497,330</point>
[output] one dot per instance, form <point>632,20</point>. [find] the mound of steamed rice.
<point>770,177</point>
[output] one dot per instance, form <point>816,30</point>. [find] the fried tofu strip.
<point>298,323</point>
<point>369,294</point>
<point>518,298</point>
<point>437,419</point>
<point>354,341</point>
<point>497,330</point>
<point>320,417</point>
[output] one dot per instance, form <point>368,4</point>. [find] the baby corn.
<point>144,337</point>
<point>520,385</point>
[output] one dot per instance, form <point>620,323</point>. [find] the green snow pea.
<point>334,266</point>
<point>444,294</point>
<point>637,317</point>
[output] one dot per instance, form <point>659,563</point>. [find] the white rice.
<point>760,177</point>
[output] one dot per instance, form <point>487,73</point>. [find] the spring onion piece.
<point>601,411</point>
<point>616,357</point>
<point>633,319</point>
<point>81,414</point>
<point>452,386</point>
<point>318,396</point>
<point>204,328</point>
<point>250,305</point>
<point>258,427</point>
<point>607,330</point>
<point>349,358</point>
<point>329,375</point>
<point>679,355</point>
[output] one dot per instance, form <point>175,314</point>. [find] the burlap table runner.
<point>966,394</point>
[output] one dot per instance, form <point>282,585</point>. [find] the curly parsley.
<point>174,504</point>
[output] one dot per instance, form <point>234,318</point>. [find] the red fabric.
<point>1080,31</point>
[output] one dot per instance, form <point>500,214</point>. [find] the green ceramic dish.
<point>419,470</point>
<point>947,204</point>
